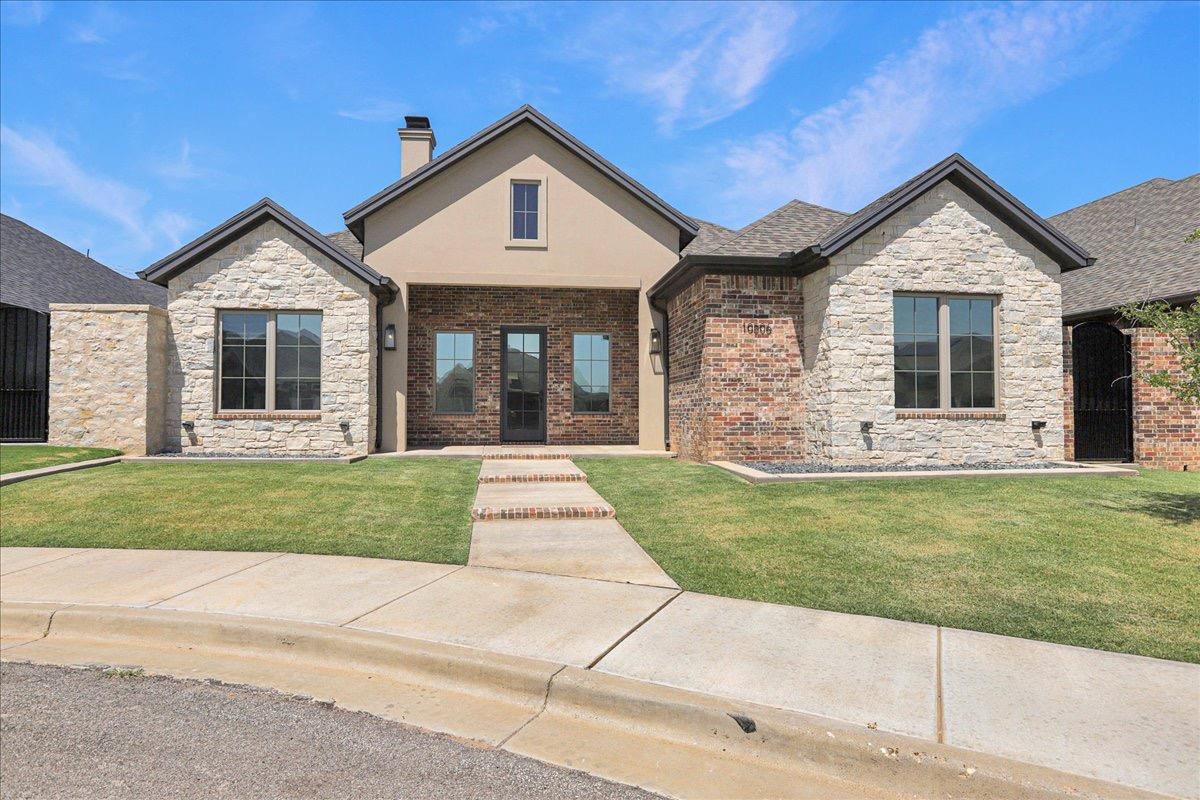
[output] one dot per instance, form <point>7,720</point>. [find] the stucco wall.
<point>453,230</point>
<point>943,242</point>
<point>107,377</point>
<point>270,269</point>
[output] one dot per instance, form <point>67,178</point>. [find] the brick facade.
<point>736,377</point>
<point>482,310</point>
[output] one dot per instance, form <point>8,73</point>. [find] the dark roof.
<point>347,241</point>
<point>798,235</point>
<point>525,114</point>
<point>1137,237</point>
<point>37,270</point>
<point>266,209</point>
<point>710,235</point>
<point>789,228</point>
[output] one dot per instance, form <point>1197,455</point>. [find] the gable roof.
<point>711,234</point>
<point>39,270</point>
<point>525,114</point>
<point>787,229</point>
<point>1138,237</point>
<point>266,209</point>
<point>972,180</point>
<point>346,240</point>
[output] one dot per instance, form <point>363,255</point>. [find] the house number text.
<point>758,328</point>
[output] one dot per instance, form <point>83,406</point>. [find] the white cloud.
<point>182,167</point>
<point>698,62</point>
<point>102,23</point>
<point>38,160</point>
<point>375,110</point>
<point>494,16</point>
<point>25,12</point>
<point>917,106</point>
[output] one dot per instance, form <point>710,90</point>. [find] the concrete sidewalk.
<point>1118,718</point>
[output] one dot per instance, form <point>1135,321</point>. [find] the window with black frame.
<point>944,351</point>
<point>454,373</point>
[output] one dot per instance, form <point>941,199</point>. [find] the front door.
<point>523,385</point>
<point>1103,393</point>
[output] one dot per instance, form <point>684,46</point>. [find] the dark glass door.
<point>523,388</point>
<point>1103,393</point>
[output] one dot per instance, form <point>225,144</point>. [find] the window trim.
<point>543,215</point>
<point>270,409</point>
<point>474,374</point>
<point>610,358</point>
<point>943,316</point>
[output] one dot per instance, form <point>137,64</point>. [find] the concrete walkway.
<point>1119,718</point>
<point>538,514</point>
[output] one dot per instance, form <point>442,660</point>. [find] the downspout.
<point>384,298</point>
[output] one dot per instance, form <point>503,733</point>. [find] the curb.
<point>17,477</point>
<point>679,742</point>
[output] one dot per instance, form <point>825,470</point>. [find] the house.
<point>35,271</point>
<point>521,288</point>
<point>1139,238</point>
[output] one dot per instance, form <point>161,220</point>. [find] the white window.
<point>269,361</point>
<point>944,350</point>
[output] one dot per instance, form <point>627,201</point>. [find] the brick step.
<point>486,513</point>
<point>535,477</point>
<point>526,455</point>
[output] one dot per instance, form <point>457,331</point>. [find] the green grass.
<point>413,509</point>
<point>20,457</point>
<point>1109,563</point>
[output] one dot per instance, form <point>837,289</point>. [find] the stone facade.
<point>943,242</point>
<point>789,368</point>
<point>269,268</point>
<point>736,370</point>
<point>482,310</point>
<point>107,376</point>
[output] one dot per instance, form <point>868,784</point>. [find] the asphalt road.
<point>67,733</point>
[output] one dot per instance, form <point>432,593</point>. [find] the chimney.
<point>416,144</point>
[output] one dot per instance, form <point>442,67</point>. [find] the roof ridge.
<point>740,232</point>
<point>1110,195</point>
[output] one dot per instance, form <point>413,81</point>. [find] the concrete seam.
<point>51,561</point>
<point>214,580</point>
<point>939,702</point>
<point>538,713</point>
<point>632,630</point>
<point>404,594</point>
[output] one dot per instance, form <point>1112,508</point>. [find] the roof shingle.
<point>1138,239</point>
<point>37,270</point>
<point>789,228</point>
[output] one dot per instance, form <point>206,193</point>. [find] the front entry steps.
<point>540,500</point>
<point>531,471</point>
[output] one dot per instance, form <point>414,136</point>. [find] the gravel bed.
<point>810,467</point>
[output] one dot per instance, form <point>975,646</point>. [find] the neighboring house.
<point>521,288</point>
<point>1139,239</point>
<point>35,271</point>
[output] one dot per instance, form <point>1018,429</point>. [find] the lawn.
<point>1109,563</point>
<point>20,457</point>
<point>413,509</point>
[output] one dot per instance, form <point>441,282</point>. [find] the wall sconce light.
<point>1038,424</point>
<point>344,425</point>
<point>189,426</point>
<point>389,337</point>
<point>866,425</point>
<point>655,341</point>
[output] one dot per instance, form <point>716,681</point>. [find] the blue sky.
<point>129,129</point>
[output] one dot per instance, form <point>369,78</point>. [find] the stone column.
<point>108,376</point>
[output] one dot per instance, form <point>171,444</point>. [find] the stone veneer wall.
<point>943,242</point>
<point>269,268</point>
<point>107,376</point>
<point>736,371</point>
<point>483,310</point>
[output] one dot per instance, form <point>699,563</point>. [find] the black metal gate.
<point>24,374</point>
<point>1103,393</point>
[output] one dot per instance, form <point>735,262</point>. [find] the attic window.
<point>527,212</point>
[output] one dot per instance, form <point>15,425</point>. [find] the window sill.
<point>532,244</point>
<point>268,415</point>
<point>959,415</point>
